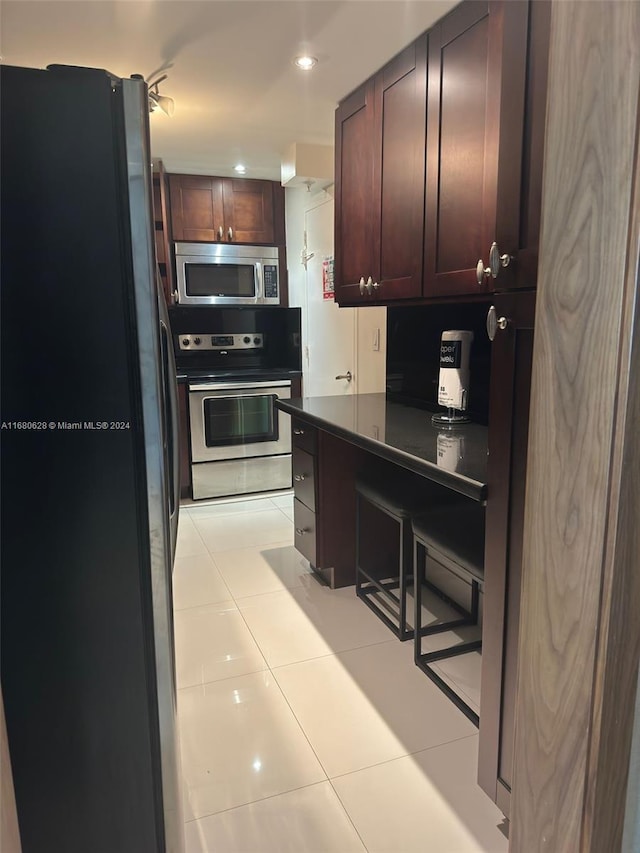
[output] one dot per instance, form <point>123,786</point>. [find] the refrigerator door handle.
<point>171,426</point>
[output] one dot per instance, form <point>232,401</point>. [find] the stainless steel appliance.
<point>89,500</point>
<point>226,274</point>
<point>240,442</point>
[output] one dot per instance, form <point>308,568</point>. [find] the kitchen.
<point>539,410</point>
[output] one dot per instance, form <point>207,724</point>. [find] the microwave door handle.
<point>259,282</point>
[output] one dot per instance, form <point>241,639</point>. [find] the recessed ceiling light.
<point>305,62</point>
<point>240,168</point>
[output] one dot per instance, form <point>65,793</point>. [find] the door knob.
<point>348,376</point>
<point>494,323</point>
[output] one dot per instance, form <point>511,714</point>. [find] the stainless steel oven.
<point>240,442</point>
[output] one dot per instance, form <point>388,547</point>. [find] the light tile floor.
<point>305,726</point>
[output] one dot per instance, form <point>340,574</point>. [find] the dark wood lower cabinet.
<point>324,469</point>
<point>508,434</point>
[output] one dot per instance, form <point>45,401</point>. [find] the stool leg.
<point>419,558</point>
<point>405,563</point>
<point>358,580</point>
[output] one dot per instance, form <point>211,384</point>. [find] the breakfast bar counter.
<point>454,457</point>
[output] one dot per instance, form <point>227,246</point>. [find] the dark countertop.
<point>251,374</point>
<point>456,457</point>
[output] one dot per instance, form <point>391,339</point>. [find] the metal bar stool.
<point>384,551</point>
<point>454,539</point>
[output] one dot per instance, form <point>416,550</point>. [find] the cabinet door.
<point>248,211</point>
<point>475,117</point>
<point>161,226</point>
<point>398,174</point>
<point>511,358</point>
<point>354,209</point>
<point>196,208</point>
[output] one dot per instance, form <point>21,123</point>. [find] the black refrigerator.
<point>89,470</point>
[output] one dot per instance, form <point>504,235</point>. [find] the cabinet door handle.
<point>299,477</point>
<point>362,286</point>
<point>482,272</point>
<point>297,431</point>
<point>220,232</point>
<point>494,323</point>
<point>496,260</point>
<point>369,285</point>
<point>301,531</point>
<point>230,234</point>
<point>348,376</point>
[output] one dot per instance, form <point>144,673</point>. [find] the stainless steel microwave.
<point>223,274</point>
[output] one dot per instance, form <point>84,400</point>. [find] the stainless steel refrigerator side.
<point>148,330</point>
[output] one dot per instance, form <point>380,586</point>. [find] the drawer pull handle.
<point>299,477</point>
<point>301,531</point>
<point>298,432</point>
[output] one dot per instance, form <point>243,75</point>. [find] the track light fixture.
<point>158,101</point>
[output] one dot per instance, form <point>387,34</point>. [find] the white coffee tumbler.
<point>453,379</point>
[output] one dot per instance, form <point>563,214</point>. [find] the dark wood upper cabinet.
<point>439,156</point>
<point>248,210</point>
<point>380,183</point>
<point>209,209</point>
<point>353,193</point>
<point>398,174</point>
<point>161,228</point>
<point>475,127</point>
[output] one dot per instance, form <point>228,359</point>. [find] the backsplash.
<point>413,354</point>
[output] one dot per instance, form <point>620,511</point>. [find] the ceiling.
<point>238,97</point>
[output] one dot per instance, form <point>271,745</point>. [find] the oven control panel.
<point>241,341</point>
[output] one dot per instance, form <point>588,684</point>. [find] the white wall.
<point>369,364</point>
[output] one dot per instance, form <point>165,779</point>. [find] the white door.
<point>329,331</point>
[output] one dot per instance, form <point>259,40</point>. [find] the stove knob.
<point>185,342</point>
<point>256,341</point>
<point>247,339</point>
<point>197,341</point>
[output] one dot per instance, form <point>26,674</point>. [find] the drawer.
<point>305,531</point>
<point>304,480</point>
<point>304,436</point>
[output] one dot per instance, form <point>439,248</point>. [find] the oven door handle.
<point>233,386</point>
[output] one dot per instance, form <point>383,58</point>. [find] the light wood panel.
<point>580,627</point>
<point>9,831</point>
